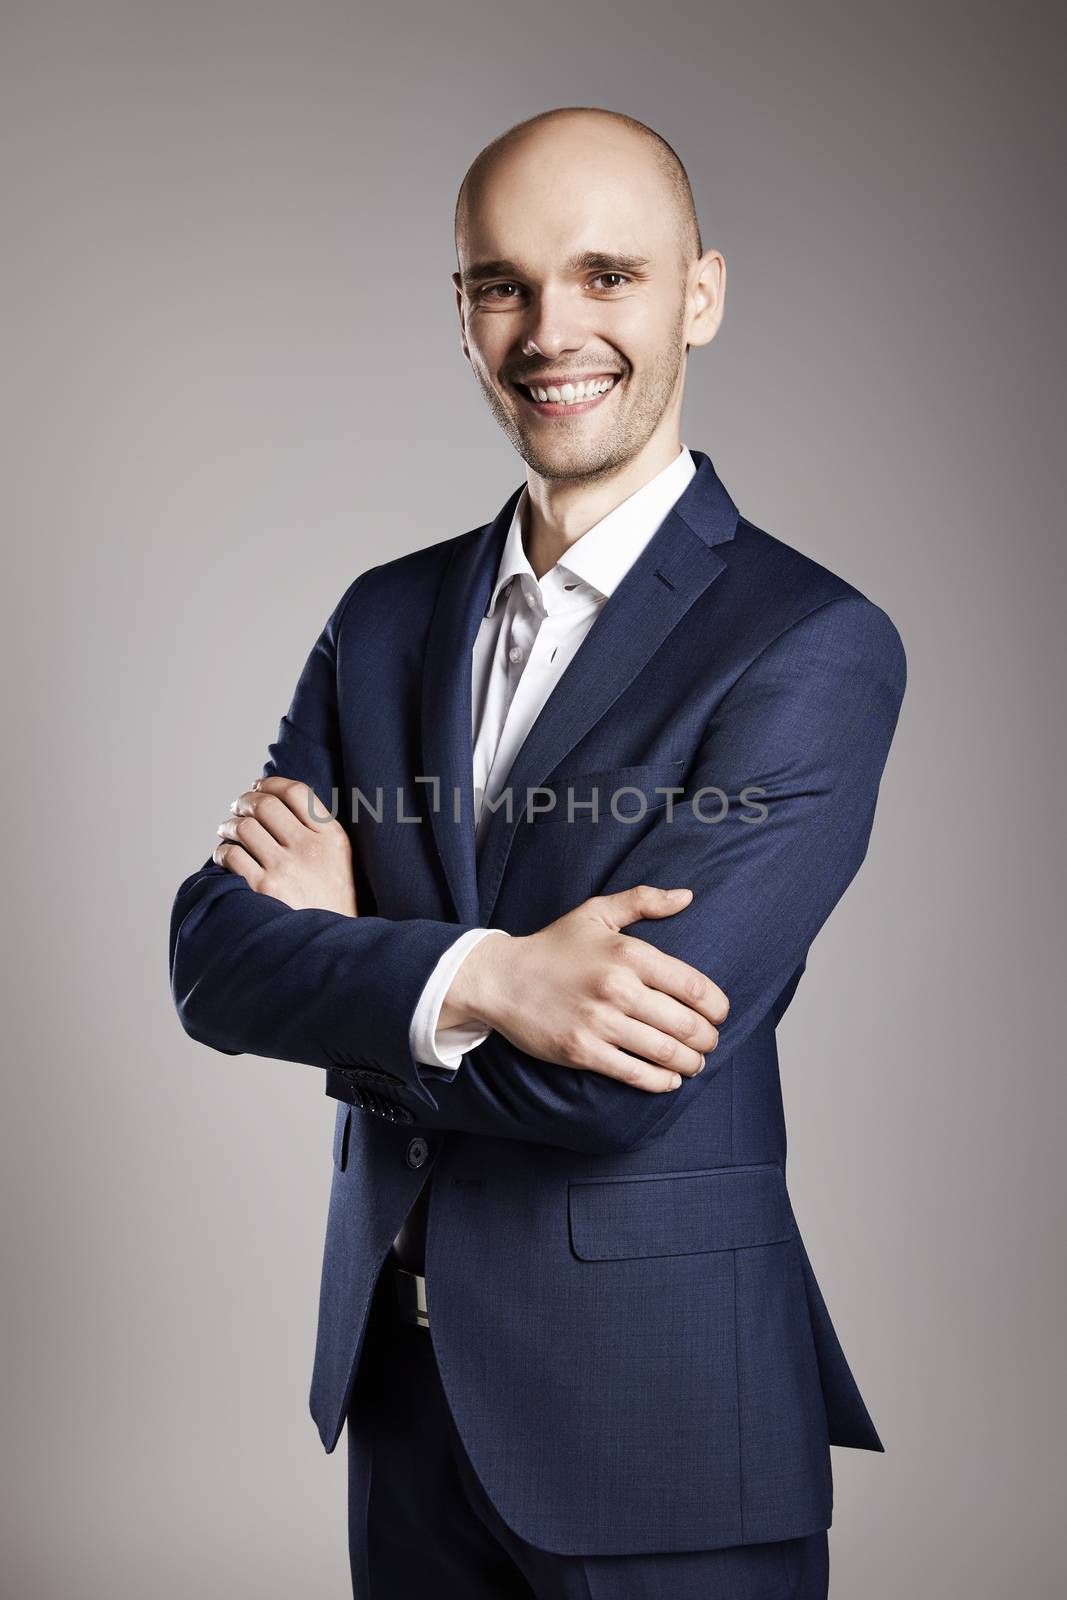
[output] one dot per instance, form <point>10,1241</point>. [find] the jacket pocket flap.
<point>678,1213</point>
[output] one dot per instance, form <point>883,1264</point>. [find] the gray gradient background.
<point>223,222</point>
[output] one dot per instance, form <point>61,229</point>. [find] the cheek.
<point>487,365</point>
<point>489,337</point>
<point>650,338</point>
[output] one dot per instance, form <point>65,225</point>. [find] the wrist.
<point>475,993</point>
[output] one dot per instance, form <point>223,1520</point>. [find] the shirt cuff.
<point>446,1047</point>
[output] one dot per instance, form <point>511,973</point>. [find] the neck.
<point>559,511</point>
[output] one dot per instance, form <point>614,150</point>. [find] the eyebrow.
<point>583,261</point>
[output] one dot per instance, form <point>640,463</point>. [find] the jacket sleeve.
<point>809,723</point>
<point>251,975</point>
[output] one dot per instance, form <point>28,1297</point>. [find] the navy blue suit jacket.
<point>628,1328</point>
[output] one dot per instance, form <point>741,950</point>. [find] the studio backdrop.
<point>233,382</point>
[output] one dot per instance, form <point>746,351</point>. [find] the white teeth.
<point>572,393</point>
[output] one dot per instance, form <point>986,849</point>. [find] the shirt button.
<point>417,1152</point>
<point>515,653</point>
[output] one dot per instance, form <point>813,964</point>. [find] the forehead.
<point>552,198</point>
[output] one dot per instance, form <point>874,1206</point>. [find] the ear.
<point>707,296</point>
<point>457,284</point>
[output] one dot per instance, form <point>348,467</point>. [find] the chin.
<point>570,463</point>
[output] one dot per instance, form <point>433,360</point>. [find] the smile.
<point>559,400</point>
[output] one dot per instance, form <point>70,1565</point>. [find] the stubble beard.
<point>595,456</point>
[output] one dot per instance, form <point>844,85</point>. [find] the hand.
<point>580,993</point>
<point>277,843</point>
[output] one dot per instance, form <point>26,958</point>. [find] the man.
<point>565,1305</point>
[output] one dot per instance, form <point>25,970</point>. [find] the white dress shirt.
<point>529,633</point>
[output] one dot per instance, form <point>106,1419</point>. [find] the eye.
<point>488,290</point>
<point>620,275</point>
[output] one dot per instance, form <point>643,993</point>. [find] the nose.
<point>552,326</point>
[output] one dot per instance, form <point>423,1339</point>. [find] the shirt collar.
<point>603,555</point>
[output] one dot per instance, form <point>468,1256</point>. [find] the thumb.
<point>643,900</point>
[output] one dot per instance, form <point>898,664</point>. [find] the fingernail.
<point>703,1061</point>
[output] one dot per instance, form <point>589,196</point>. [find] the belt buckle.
<point>411,1296</point>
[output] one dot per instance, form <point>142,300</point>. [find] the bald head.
<point>577,122</point>
<point>579,261</point>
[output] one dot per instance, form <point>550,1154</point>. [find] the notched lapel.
<point>446,710</point>
<point>673,570</point>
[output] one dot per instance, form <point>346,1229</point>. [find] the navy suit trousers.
<point>421,1526</point>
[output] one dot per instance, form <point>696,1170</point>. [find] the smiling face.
<point>576,299</point>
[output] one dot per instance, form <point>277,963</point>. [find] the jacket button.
<point>417,1152</point>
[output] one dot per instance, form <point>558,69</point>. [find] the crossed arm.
<point>810,722</point>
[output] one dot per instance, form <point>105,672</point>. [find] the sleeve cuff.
<point>446,1047</point>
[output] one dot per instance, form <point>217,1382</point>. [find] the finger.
<point>651,1008</point>
<point>672,976</point>
<point>302,800</point>
<point>251,836</point>
<point>599,1056</point>
<point>642,900</point>
<point>653,1044</point>
<point>272,814</point>
<point>236,859</point>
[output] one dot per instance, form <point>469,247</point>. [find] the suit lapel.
<point>673,570</point>
<point>447,743</point>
